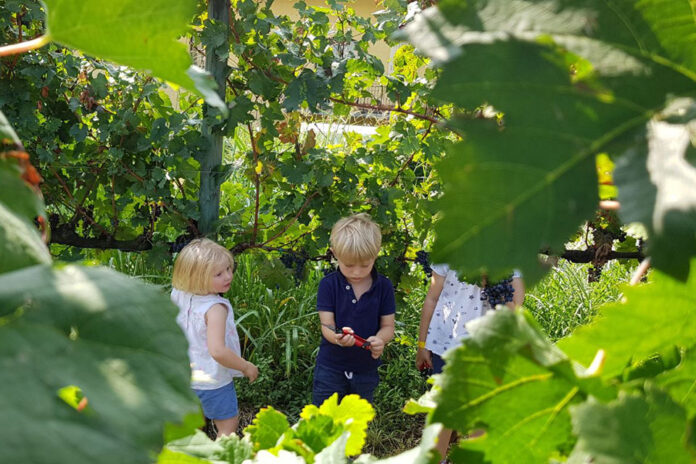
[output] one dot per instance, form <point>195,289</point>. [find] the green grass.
<point>564,299</point>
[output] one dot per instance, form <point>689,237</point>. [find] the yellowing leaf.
<point>354,413</point>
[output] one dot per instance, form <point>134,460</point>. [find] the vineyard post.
<point>209,196</point>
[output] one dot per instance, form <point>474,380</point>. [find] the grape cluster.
<point>422,258</point>
<point>296,263</point>
<point>179,243</point>
<point>499,293</point>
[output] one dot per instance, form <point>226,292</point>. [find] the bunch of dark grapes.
<point>296,262</point>
<point>179,243</point>
<point>422,258</point>
<point>499,293</point>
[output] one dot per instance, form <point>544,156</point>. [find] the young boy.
<point>360,300</point>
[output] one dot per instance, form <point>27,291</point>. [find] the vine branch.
<point>22,47</point>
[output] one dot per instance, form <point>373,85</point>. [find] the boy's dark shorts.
<point>328,381</point>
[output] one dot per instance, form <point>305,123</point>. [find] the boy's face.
<point>221,277</point>
<point>355,271</point>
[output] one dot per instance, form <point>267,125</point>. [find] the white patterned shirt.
<point>459,303</point>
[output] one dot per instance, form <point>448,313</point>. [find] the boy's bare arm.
<point>437,283</point>
<point>216,319</point>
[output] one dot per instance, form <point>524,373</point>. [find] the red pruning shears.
<point>426,370</point>
<point>359,341</point>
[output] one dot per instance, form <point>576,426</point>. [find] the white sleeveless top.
<point>206,373</point>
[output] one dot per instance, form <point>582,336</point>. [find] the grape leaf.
<point>652,320</point>
<point>352,412</point>
<point>268,426</point>
<point>632,429</point>
<point>656,186</point>
<point>143,35</point>
<point>198,449</point>
<point>505,362</point>
<point>422,454</point>
<point>20,241</point>
<point>111,338</point>
<point>568,79</point>
<point>680,382</point>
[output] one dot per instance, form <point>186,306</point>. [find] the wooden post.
<point>209,196</point>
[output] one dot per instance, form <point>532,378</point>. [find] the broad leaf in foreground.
<point>20,241</point>
<point>649,429</point>
<point>680,382</point>
<point>99,334</point>
<point>653,319</point>
<point>509,381</point>
<point>422,454</point>
<point>198,449</point>
<point>143,35</point>
<point>569,79</point>
<point>353,412</point>
<point>268,426</point>
<point>657,186</point>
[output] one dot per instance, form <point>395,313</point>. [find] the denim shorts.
<point>220,403</point>
<point>328,381</point>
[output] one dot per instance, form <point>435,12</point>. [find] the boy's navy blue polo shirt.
<point>363,316</point>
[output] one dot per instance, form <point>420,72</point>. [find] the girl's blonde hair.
<point>193,268</point>
<point>356,237</point>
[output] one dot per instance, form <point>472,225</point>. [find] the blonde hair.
<point>194,267</point>
<point>356,237</point>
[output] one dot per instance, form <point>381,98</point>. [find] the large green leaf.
<point>199,449</point>
<point>20,241</point>
<point>571,78</point>
<point>511,382</point>
<point>656,186</point>
<point>143,35</point>
<point>680,382</point>
<point>76,331</point>
<point>633,429</point>
<point>653,319</point>
<point>7,134</point>
<point>268,426</point>
<point>353,412</point>
<point>422,454</point>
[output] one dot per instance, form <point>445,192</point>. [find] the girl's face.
<point>355,271</point>
<point>221,277</point>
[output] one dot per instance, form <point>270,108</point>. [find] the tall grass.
<point>564,299</point>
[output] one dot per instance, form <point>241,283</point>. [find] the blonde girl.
<point>202,274</point>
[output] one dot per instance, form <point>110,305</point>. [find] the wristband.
<point>421,344</point>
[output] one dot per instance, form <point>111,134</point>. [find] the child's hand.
<point>345,339</point>
<point>423,359</point>
<point>250,371</point>
<point>376,346</point>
